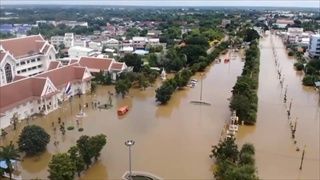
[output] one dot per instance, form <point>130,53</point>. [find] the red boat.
<point>123,110</point>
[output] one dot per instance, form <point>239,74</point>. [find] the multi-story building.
<point>57,40</point>
<point>42,93</point>
<point>294,35</point>
<point>68,39</point>
<point>314,46</point>
<point>26,56</point>
<point>76,52</point>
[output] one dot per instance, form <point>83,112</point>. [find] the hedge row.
<point>244,94</point>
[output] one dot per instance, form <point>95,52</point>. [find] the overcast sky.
<point>271,3</point>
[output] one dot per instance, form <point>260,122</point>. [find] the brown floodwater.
<point>276,154</point>
<point>172,141</point>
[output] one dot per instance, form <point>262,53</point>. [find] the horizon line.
<point>158,6</point>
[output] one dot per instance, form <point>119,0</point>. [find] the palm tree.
<point>8,153</point>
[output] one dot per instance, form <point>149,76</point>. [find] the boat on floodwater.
<point>122,110</point>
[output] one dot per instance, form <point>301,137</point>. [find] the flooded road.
<point>172,141</point>
<point>276,154</point>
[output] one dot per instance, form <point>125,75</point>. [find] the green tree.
<point>122,86</point>
<point>245,172</point>
<point>133,60</point>
<point>61,167</point>
<point>77,159</point>
<point>85,149</point>
<point>97,143</point>
<point>182,78</point>
<point>164,92</point>
<point>308,80</point>
<point>33,140</point>
<point>226,150</point>
<point>8,153</point>
<point>142,81</point>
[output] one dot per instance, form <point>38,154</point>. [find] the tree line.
<point>244,94</point>
<point>197,61</point>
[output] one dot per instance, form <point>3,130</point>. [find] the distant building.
<point>26,56</point>
<point>57,40</point>
<point>283,23</point>
<point>314,46</point>
<point>106,65</point>
<point>76,52</point>
<point>95,46</point>
<point>68,39</point>
<point>225,22</point>
<point>139,42</point>
<point>72,24</point>
<point>112,43</point>
<point>294,34</point>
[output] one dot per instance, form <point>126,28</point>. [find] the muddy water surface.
<point>276,154</point>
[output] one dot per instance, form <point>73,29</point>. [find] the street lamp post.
<point>129,143</point>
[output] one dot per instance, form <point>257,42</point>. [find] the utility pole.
<point>302,157</point>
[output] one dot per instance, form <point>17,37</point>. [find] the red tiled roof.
<point>23,47</point>
<point>72,61</point>
<point>46,48</point>
<point>285,21</point>
<point>61,76</point>
<point>95,63</point>
<point>117,66</point>
<point>21,91</point>
<point>53,65</point>
<point>18,77</point>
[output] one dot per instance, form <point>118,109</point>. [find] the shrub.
<point>298,66</point>
<point>290,53</point>
<point>308,80</point>
<point>70,128</point>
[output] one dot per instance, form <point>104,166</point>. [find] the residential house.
<point>112,43</point>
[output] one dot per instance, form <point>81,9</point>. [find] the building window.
<point>8,72</point>
<point>22,62</point>
<point>38,59</point>
<point>28,61</point>
<point>33,60</point>
<point>17,64</point>
<point>23,70</point>
<point>50,57</point>
<point>39,66</point>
